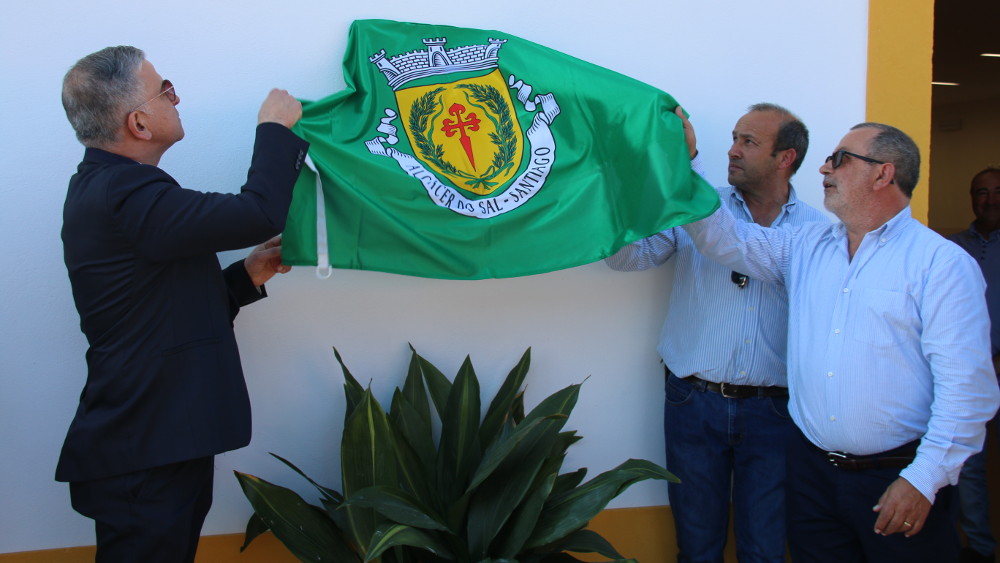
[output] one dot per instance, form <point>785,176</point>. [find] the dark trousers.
<point>830,516</point>
<point>153,515</point>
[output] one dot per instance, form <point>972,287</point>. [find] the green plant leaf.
<point>367,457</point>
<point>569,481</point>
<point>415,430</point>
<point>414,389</point>
<point>553,412</point>
<point>573,509</point>
<point>459,451</point>
<point>327,492</point>
<point>503,402</point>
<point>353,390</point>
<point>589,541</point>
<point>255,527</point>
<point>438,385</point>
<point>391,535</point>
<point>497,498</point>
<point>497,452</point>
<point>304,529</point>
<point>523,521</point>
<point>398,506</point>
<point>560,403</point>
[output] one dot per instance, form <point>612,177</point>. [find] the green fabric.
<point>452,176</point>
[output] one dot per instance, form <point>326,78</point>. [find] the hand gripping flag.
<point>467,154</point>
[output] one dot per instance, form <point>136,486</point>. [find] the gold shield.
<point>466,130</point>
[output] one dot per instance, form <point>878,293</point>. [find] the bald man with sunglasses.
<point>889,373</point>
<point>165,389</point>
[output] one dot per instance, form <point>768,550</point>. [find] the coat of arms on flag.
<point>453,119</point>
<point>466,154</point>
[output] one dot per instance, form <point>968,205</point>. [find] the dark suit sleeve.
<point>242,292</point>
<point>167,222</point>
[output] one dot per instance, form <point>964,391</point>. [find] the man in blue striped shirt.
<point>889,370</point>
<point>723,345</point>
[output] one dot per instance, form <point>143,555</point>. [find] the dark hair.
<point>99,90</point>
<point>894,146</point>
<point>989,169</point>
<point>792,133</point>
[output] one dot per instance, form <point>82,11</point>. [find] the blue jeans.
<point>974,504</point>
<point>726,451</point>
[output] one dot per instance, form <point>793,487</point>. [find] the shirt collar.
<point>994,236</point>
<point>889,230</point>
<point>792,198</point>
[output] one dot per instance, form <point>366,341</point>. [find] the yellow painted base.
<point>646,534</point>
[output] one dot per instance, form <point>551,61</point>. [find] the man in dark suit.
<point>165,390</point>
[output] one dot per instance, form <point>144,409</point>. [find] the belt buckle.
<point>722,390</point>
<point>836,458</point>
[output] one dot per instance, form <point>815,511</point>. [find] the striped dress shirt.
<point>715,329</point>
<point>886,348</point>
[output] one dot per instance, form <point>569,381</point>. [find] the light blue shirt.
<point>886,348</point>
<point>715,329</point>
<point>986,251</point>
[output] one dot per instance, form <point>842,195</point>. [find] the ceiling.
<point>962,30</point>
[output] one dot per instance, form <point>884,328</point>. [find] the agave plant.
<point>485,489</point>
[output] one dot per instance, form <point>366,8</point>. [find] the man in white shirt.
<point>889,373</point>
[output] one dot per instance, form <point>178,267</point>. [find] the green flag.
<point>467,154</point>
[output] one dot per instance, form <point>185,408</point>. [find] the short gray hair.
<point>98,92</point>
<point>792,133</point>
<point>893,146</point>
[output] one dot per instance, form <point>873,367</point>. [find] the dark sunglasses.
<point>739,279</point>
<point>837,158</point>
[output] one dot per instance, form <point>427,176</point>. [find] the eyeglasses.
<point>739,279</point>
<point>166,89</point>
<point>837,158</point>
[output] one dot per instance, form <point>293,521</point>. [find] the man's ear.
<point>138,126</point>
<point>786,158</point>
<point>886,176</point>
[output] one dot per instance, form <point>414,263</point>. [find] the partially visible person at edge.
<point>723,348</point>
<point>889,373</point>
<point>165,389</point>
<point>982,242</point>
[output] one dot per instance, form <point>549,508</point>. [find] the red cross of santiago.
<point>452,125</point>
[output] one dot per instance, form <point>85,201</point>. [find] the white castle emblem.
<point>435,61</point>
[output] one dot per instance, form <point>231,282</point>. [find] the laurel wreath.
<point>506,142</point>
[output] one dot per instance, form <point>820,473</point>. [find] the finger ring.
<point>905,523</point>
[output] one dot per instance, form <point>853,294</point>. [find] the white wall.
<point>715,56</point>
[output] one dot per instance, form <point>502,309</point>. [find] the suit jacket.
<point>164,380</point>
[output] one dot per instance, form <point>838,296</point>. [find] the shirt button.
<point>836,331</point>
<point>743,372</point>
<point>747,341</point>
<point>829,374</point>
<point>833,419</point>
<point>846,290</point>
<point>750,309</point>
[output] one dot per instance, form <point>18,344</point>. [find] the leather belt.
<point>730,391</point>
<point>896,458</point>
<point>853,463</point>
